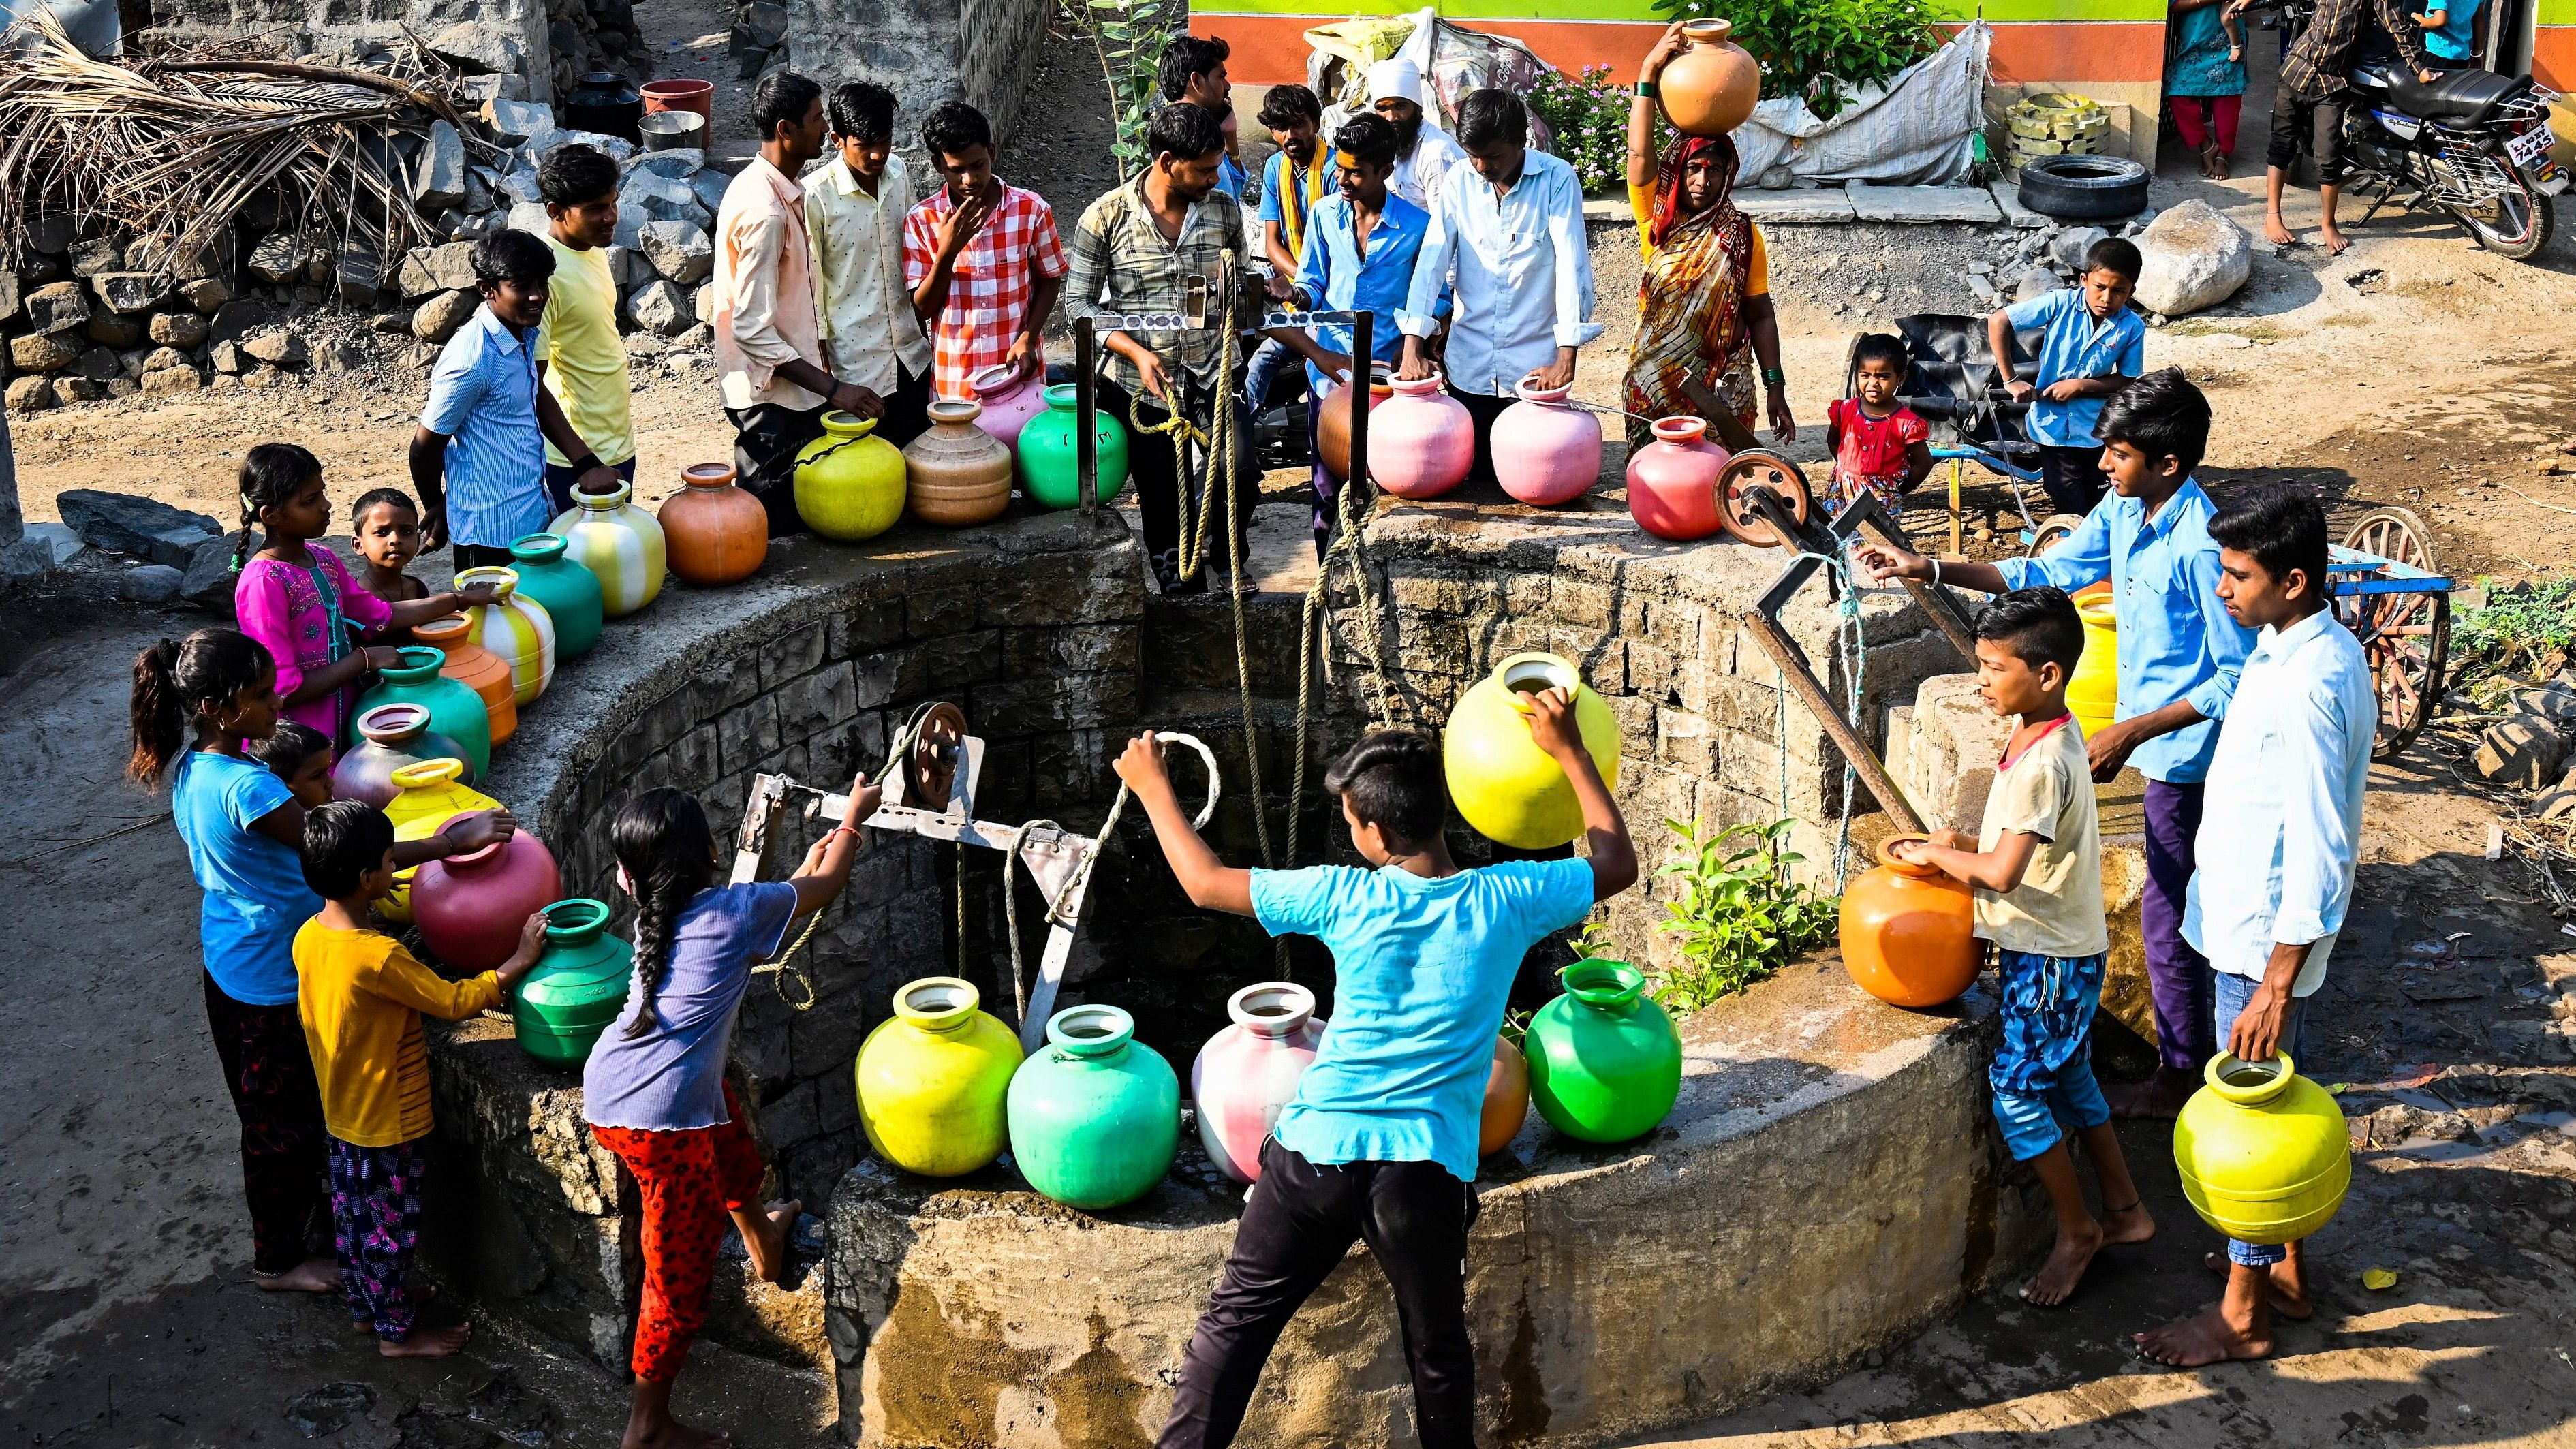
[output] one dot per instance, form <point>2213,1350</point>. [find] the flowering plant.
<point>1589,114</point>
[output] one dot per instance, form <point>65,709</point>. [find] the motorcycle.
<point>2473,145</point>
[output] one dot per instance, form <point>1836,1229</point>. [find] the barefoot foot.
<point>2206,1339</point>
<point>765,1238</point>
<point>2055,1281</point>
<point>428,1342</point>
<point>2289,1295</point>
<point>2131,1224</point>
<point>2275,233</point>
<point>2336,242</point>
<point>313,1275</point>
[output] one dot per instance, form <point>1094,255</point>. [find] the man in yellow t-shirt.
<point>583,358</point>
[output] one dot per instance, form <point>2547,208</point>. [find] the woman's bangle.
<point>1646,90</point>
<point>850,830</point>
<point>1936,571</point>
<point>1774,377</point>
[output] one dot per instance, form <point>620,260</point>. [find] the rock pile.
<point>2534,746</point>
<point>134,548</point>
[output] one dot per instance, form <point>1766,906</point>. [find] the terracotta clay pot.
<point>1421,441</point>
<point>1507,1098</point>
<point>1909,932</point>
<point>713,532</point>
<point>957,474</point>
<point>471,907</point>
<point>1672,481</point>
<point>390,737</point>
<point>1710,88</point>
<point>1546,450</point>
<point>475,667</point>
<point>1008,399</point>
<point>1333,420</point>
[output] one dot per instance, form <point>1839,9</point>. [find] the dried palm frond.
<point>173,147</point>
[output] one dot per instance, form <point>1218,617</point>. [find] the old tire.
<point>2084,188</point>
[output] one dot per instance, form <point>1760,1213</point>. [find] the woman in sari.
<point>1704,307</point>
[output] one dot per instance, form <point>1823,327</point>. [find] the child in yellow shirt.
<point>360,995</point>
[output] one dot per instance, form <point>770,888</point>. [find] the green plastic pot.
<point>455,710</point>
<point>1096,1115</point>
<point>1605,1063</point>
<point>1051,471</point>
<point>570,592</point>
<point>579,985</point>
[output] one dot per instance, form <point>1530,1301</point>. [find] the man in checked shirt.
<point>2314,95</point>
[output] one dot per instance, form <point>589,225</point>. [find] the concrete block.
<point>1820,206</point>
<point>2007,196</point>
<point>1967,204</point>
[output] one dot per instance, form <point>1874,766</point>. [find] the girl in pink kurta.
<point>299,601</point>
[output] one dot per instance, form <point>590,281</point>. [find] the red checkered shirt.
<point>988,293</point>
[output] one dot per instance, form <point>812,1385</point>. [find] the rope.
<point>777,971</point>
<point>1011,912</point>
<point>1315,620</point>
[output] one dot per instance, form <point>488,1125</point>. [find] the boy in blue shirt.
<point>2092,344</point>
<point>1380,1141</point>
<point>2451,34</point>
<point>2179,657</point>
<point>1296,176</point>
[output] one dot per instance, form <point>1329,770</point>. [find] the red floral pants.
<point>691,1182</point>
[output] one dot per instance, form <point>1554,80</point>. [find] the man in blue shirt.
<point>1193,70</point>
<point>1379,1142</point>
<point>2179,655</point>
<point>478,458</point>
<point>1360,246</point>
<point>2091,345</point>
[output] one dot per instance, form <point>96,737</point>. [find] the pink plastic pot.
<point>1008,400</point>
<point>1421,441</point>
<point>1248,1071</point>
<point>471,907</point>
<point>1672,481</point>
<point>1546,450</point>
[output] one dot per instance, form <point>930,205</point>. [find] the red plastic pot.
<point>471,907</point>
<point>681,95</point>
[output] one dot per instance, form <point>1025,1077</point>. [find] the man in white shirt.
<point>854,210</point>
<point>1423,152</point>
<point>1507,232</point>
<point>2280,835</point>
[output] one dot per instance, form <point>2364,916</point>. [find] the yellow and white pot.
<point>518,631</point>
<point>617,541</point>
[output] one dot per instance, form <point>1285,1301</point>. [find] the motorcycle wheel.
<point>2516,224</point>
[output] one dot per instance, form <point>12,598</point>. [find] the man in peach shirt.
<point>768,332</point>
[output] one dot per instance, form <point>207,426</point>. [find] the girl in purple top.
<point>298,600</point>
<point>654,1090</point>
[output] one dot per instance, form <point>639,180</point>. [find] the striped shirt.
<point>2313,67</point>
<point>1123,263</point>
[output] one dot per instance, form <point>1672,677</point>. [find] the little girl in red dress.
<point>1879,443</point>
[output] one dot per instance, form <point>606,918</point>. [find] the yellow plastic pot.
<point>2093,693</point>
<point>1503,783</point>
<point>849,482</point>
<point>427,795</point>
<point>933,1080</point>
<point>2262,1150</point>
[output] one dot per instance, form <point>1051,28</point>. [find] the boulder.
<point>226,359</point>
<point>629,268</point>
<point>342,356</point>
<point>131,291</point>
<point>615,148</point>
<point>129,362</point>
<point>13,295</point>
<point>113,329</point>
<point>659,307</point>
<point>440,316</point>
<point>31,394</point>
<point>644,344</point>
<point>2035,282</point>
<point>278,260</point>
<point>698,338</point>
<point>260,375</point>
<point>2194,258</point>
<point>205,295</point>
<point>123,387</point>
<point>99,364</point>
<point>138,527</point>
<point>2553,700</point>
<point>2524,751</point>
<point>681,252</point>
<point>530,217</point>
<point>150,584</point>
<point>61,545</point>
<point>2068,246</point>
<point>359,277</point>
<point>518,120</point>
<point>242,316</point>
<point>53,233</point>
<point>161,357</point>
<point>518,185</point>
<point>99,255</point>
<point>677,165</point>
<point>654,198</point>
<point>438,174</point>
<point>445,268</point>
<point>703,305</point>
<point>166,381</point>
<point>207,582</point>
<point>57,307</point>
<point>72,389</point>
<point>390,324</point>
<point>42,352</point>
<point>183,330</point>
<point>710,189</point>
<point>281,349</point>
<point>479,48</point>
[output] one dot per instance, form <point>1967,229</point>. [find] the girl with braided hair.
<point>654,1089</point>
<point>196,705</point>
<point>298,600</point>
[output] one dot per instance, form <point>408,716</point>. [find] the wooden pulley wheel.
<point>1751,470</point>
<point>938,735</point>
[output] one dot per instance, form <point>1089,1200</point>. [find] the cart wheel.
<point>1752,469</point>
<point>2407,637</point>
<point>2052,529</point>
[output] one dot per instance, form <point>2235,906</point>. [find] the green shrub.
<point>1740,917</point>
<point>1822,50</point>
<point>1589,116</point>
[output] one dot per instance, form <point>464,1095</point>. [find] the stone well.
<point>1615,1289</point>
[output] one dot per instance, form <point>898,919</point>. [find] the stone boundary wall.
<point>925,51</point>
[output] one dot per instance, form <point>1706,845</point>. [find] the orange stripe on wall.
<point>2553,56</point>
<point>2101,50</point>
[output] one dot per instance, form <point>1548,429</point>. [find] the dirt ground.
<point>2414,370</point>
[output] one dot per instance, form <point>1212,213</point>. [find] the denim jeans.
<point>2234,994</point>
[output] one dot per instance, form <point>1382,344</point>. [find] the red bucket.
<point>680,95</point>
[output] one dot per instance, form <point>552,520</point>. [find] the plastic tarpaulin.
<point>1453,59</point>
<point>93,25</point>
<point>1918,131</point>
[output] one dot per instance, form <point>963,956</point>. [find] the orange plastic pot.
<point>475,667</point>
<point>1909,932</point>
<point>696,96</point>
<point>1506,1099</point>
<point>715,533</point>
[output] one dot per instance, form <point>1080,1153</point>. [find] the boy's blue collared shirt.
<point>2176,640</point>
<point>1333,274</point>
<point>483,399</point>
<point>2079,346</point>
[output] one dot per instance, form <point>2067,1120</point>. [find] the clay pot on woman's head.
<point>1711,87</point>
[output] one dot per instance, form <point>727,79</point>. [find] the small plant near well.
<point>1740,916</point>
<point>1129,37</point>
<point>1588,117</point>
<point>2519,634</point>
<point>1822,50</point>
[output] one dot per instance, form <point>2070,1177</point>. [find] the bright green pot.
<point>455,710</point>
<point>579,985</point>
<point>1095,1116</point>
<point>1605,1063</point>
<point>1050,469</point>
<point>570,592</point>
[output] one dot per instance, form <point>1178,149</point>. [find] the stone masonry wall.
<point>925,51</point>
<point>502,38</point>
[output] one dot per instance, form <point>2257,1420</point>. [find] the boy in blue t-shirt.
<point>2092,344</point>
<point>1380,1141</point>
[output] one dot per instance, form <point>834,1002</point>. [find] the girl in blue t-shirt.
<point>194,705</point>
